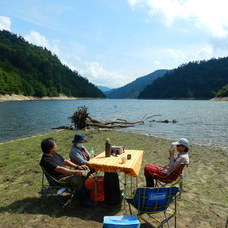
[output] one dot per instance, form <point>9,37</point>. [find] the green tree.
<point>31,70</point>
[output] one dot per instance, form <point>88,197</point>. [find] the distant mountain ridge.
<point>29,70</point>
<point>194,80</point>
<point>103,88</point>
<point>133,89</point>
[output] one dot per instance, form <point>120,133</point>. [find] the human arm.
<point>63,170</point>
<point>171,151</point>
<point>182,158</point>
<point>73,165</point>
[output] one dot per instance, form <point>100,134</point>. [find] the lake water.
<point>202,122</point>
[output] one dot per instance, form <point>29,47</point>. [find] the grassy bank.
<point>203,204</point>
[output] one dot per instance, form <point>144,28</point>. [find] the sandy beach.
<point>220,99</point>
<point>16,97</point>
<point>203,204</point>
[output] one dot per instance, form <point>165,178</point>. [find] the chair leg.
<point>130,208</point>
<point>43,194</point>
<point>68,202</point>
<point>180,182</point>
<point>148,223</point>
<point>166,219</point>
<point>175,221</point>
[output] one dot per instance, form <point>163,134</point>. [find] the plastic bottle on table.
<point>107,148</point>
<point>91,152</point>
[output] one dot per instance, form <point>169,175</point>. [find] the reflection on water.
<point>204,122</point>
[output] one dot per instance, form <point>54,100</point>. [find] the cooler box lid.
<point>128,221</point>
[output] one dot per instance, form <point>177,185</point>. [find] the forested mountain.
<point>223,92</point>
<point>195,80</point>
<point>31,70</point>
<point>133,89</point>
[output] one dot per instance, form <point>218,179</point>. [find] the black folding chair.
<point>56,188</point>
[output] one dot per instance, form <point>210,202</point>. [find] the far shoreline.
<point>16,97</point>
<point>220,99</point>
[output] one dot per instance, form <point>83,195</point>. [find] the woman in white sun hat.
<point>182,146</point>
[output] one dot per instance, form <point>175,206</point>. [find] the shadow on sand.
<point>53,208</point>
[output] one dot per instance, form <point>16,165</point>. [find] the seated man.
<point>182,146</point>
<point>54,164</point>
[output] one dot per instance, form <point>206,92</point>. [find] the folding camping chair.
<point>154,200</point>
<point>56,189</point>
<point>174,178</point>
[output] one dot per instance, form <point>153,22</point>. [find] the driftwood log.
<point>82,120</point>
<point>164,121</point>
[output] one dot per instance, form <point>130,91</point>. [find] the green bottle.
<point>107,148</point>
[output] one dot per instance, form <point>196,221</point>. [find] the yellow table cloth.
<point>114,163</point>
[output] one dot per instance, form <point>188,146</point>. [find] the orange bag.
<point>96,188</point>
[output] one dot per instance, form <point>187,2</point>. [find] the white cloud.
<point>5,23</point>
<point>157,63</point>
<point>210,16</point>
<point>177,57</point>
<point>93,71</point>
<point>205,52</point>
<point>40,40</point>
<point>101,76</point>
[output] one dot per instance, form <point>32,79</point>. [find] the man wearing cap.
<point>78,153</point>
<point>182,146</point>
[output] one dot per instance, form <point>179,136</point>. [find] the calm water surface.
<point>203,122</point>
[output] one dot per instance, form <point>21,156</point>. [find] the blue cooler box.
<point>128,221</point>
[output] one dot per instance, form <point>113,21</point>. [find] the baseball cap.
<point>181,142</point>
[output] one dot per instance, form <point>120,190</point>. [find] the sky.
<point>113,42</point>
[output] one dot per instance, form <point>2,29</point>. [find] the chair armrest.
<point>175,173</point>
<point>163,177</point>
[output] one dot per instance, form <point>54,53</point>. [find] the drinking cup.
<point>128,156</point>
<point>124,159</point>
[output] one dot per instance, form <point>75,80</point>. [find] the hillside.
<point>195,80</point>
<point>133,89</point>
<point>30,70</point>
<point>223,92</point>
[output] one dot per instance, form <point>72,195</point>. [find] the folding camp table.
<point>114,164</point>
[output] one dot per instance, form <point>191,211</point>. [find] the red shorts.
<point>150,170</point>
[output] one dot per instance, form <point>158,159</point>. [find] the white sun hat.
<point>181,142</point>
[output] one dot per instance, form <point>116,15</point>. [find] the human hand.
<point>78,173</point>
<point>83,167</point>
<point>171,150</point>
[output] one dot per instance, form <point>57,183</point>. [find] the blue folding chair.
<point>154,200</point>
